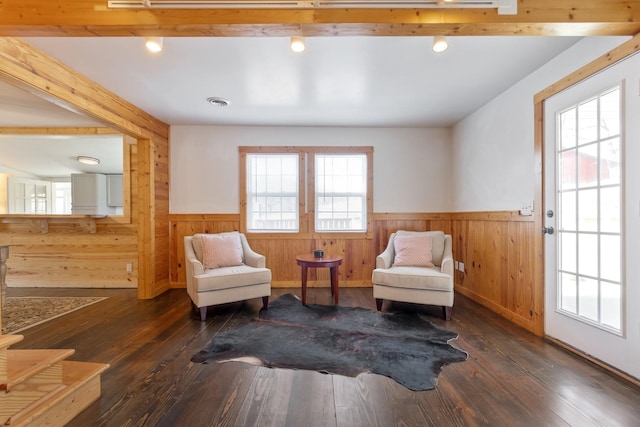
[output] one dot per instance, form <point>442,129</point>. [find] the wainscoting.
<point>496,249</point>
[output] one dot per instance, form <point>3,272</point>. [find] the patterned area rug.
<point>21,313</point>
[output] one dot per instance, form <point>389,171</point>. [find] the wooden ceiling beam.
<point>535,17</point>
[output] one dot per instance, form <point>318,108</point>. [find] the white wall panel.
<point>492,150</point>
<point>412,166</point>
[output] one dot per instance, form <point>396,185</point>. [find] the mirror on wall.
<point>50,154</point>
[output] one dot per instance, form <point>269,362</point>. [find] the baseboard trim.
<point>611,369</point>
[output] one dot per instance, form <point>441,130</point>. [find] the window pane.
<point>568,211</point>
<point>568,129</point>
<point>568,252</point>
<point>610,221</point>
<point>588,255</point>
<point>610,114</point>
<point>567,169</point>
<point>610,162</point>
<point>588,166</point>
<point>568,293</point>
<point>588,122</point>
<point>340,192</point>
<point>272,186</point>
<point>588,210</point>
<point>610,261</point>
<point>611,301</point>
<point>588,298</point>
<point>273,183</point>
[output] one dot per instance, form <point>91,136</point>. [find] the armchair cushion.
<point>413,250</point>
<point>231,277</point>
<point>413,278</point>
<point>221,250</point>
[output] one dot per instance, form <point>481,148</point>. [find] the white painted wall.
<point>492,151</point>
<point>412,166</point>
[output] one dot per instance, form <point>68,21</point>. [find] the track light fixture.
<point>440,44</point>
<point>153,44</point>
<point>298,44</point>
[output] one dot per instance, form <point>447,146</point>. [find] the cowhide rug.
<point>339,340</point>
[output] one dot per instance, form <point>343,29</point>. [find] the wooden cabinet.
<point>89,194</point>
<point>114,190</point>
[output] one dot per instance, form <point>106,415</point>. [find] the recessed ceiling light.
<point>298,44</point>
<point>218,102</point>
<point>88,160</point>
<point>440,44</point>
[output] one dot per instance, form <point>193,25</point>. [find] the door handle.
<point>547,230</point>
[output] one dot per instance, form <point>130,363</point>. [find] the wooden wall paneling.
<point>476,251</point>
<point>494,267</point>
<point>144,215</point>
<point>160,197</point>
<point>29,68</point>
<point>495,247</point>
<point>281,259</point>
<point>499,266</point>
<point>521,298</point>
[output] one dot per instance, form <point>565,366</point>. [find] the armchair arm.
<point>192,264</point>
<point>252,258</point>
<point>195,266</point>
<point>447,257</point>
<point>385,259</point>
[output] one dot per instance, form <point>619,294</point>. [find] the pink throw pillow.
<point>413,250</point>
<point>221,250</point>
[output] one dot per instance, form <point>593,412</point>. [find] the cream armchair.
<point>416,280</point>
<point>222,274</point>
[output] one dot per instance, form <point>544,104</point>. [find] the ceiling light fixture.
<point>297,44</point>
<point>153,44</point>
<point>440,44</point>
<point>86,160</point>
<point>218,102</point>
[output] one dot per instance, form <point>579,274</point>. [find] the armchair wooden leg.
<point>265,303</point>
<point>446,312</point>
<point>379,303</point>
<point>203,313</point>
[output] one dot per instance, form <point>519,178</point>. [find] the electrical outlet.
<point>461,266</point>
<point>456,265</point>
<point>129,267</point>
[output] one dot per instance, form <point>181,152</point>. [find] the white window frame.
<point>340,220</point>
<point>306,191</point>
<point>260,190</point>
<point>597,233</point>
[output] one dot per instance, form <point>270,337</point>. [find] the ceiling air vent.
<point>218,102</point>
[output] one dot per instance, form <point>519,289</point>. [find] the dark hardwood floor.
<point>512,378</point>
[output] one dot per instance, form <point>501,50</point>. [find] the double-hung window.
<point>341,192</point>
<point>306,189</point>
<point>272,192</point>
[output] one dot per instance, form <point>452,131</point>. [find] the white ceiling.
<point>337,81</point>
